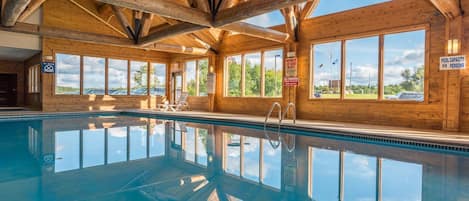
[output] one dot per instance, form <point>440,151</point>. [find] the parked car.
<point>410,95</point>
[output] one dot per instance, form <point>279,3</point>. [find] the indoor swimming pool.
<point>131,157</point>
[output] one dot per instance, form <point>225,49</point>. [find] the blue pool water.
<point>139,158</point>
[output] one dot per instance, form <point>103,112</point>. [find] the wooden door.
<point>8,90</point>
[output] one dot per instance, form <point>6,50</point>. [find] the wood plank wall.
<point>354,23</point>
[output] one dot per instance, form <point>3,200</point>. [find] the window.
<point>202,72</point>
<point>401,180</point>
<point>67,76</point>
<point>137,142</point>
<point>196,72</point>
<point>138,78</point>
<point>260,161</point>
<point>94,74</point>
<point>233,74</point>
<point>34,73</point>
<point>124,77</point>
<point>359,177</point>
<point>117,77</point>
<point>260,75</point>
<point>334,6</point>
<point>195,148</point>
<point>404,66</point>
<point>273,64</point>
<point>117,144</point>
<point>362,68</point>
<point>327,64</point>
<point>341,175</point>
<point>158,79</point>
<point>325,170</point>
<point>93,147</point>
<point>67,150</point>
<point>191,77</point>
<point>252,65</point>
<point>157,140</point>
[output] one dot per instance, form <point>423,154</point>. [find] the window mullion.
<point>381,68</point>
<point>243,75</point>
<point>106,76</point>
<point>342,70</point>
<point>263,75</point>
<point>128,77</point>
<point>197,81</point>
<point>81,75</point>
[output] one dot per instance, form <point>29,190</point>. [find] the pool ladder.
<point>275,105</point>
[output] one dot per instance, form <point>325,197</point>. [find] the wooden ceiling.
<point>180,26</point>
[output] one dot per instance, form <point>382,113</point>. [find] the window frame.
<point>197,77</point>
<point>242,138</point>
<point>151,75</point>
<point>107,58</point>
<point>243,71</point>
<point>380,33</point>
<point>34,79</point>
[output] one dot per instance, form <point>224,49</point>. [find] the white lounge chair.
<point>180,105</point>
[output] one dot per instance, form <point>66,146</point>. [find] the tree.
<point>413,81</point>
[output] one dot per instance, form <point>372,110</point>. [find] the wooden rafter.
<point>33,6</point>
<point>181,28</point>
<point>308,9</point>
<point>12,11</point>
<point>53,32</point>
<point>449,8</point>
<point>123,21</point>
<point>257,31</point>
<point>250,9</point>
<point>146,24</point>
<point>165,8</point>
<point>291,22</point>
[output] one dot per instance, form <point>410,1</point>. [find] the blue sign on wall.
<point>48,67</point>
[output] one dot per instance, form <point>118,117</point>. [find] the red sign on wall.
<point>291,82</point>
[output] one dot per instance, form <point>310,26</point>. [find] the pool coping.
<point>419,135</point>
<point>363,131</point>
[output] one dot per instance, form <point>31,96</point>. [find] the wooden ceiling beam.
<point>124,22</point>
<point>165,8</point>
<point>181,28</point>
<point>256,31</point>
<point>449,8</point>
<point>308,9</point>
<point>250,9</point>
<point>146,24</point>
<point>59,33</point>
<point>12,11</point>
<point>33,6</point>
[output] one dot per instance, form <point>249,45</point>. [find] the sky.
<point>324,8</point>
<point>401,51</point>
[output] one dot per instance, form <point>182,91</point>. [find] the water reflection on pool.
<point>131,158</point>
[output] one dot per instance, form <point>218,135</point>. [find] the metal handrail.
<point>281,117</point>
<point>293,107</point>
<point>272,108</point>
